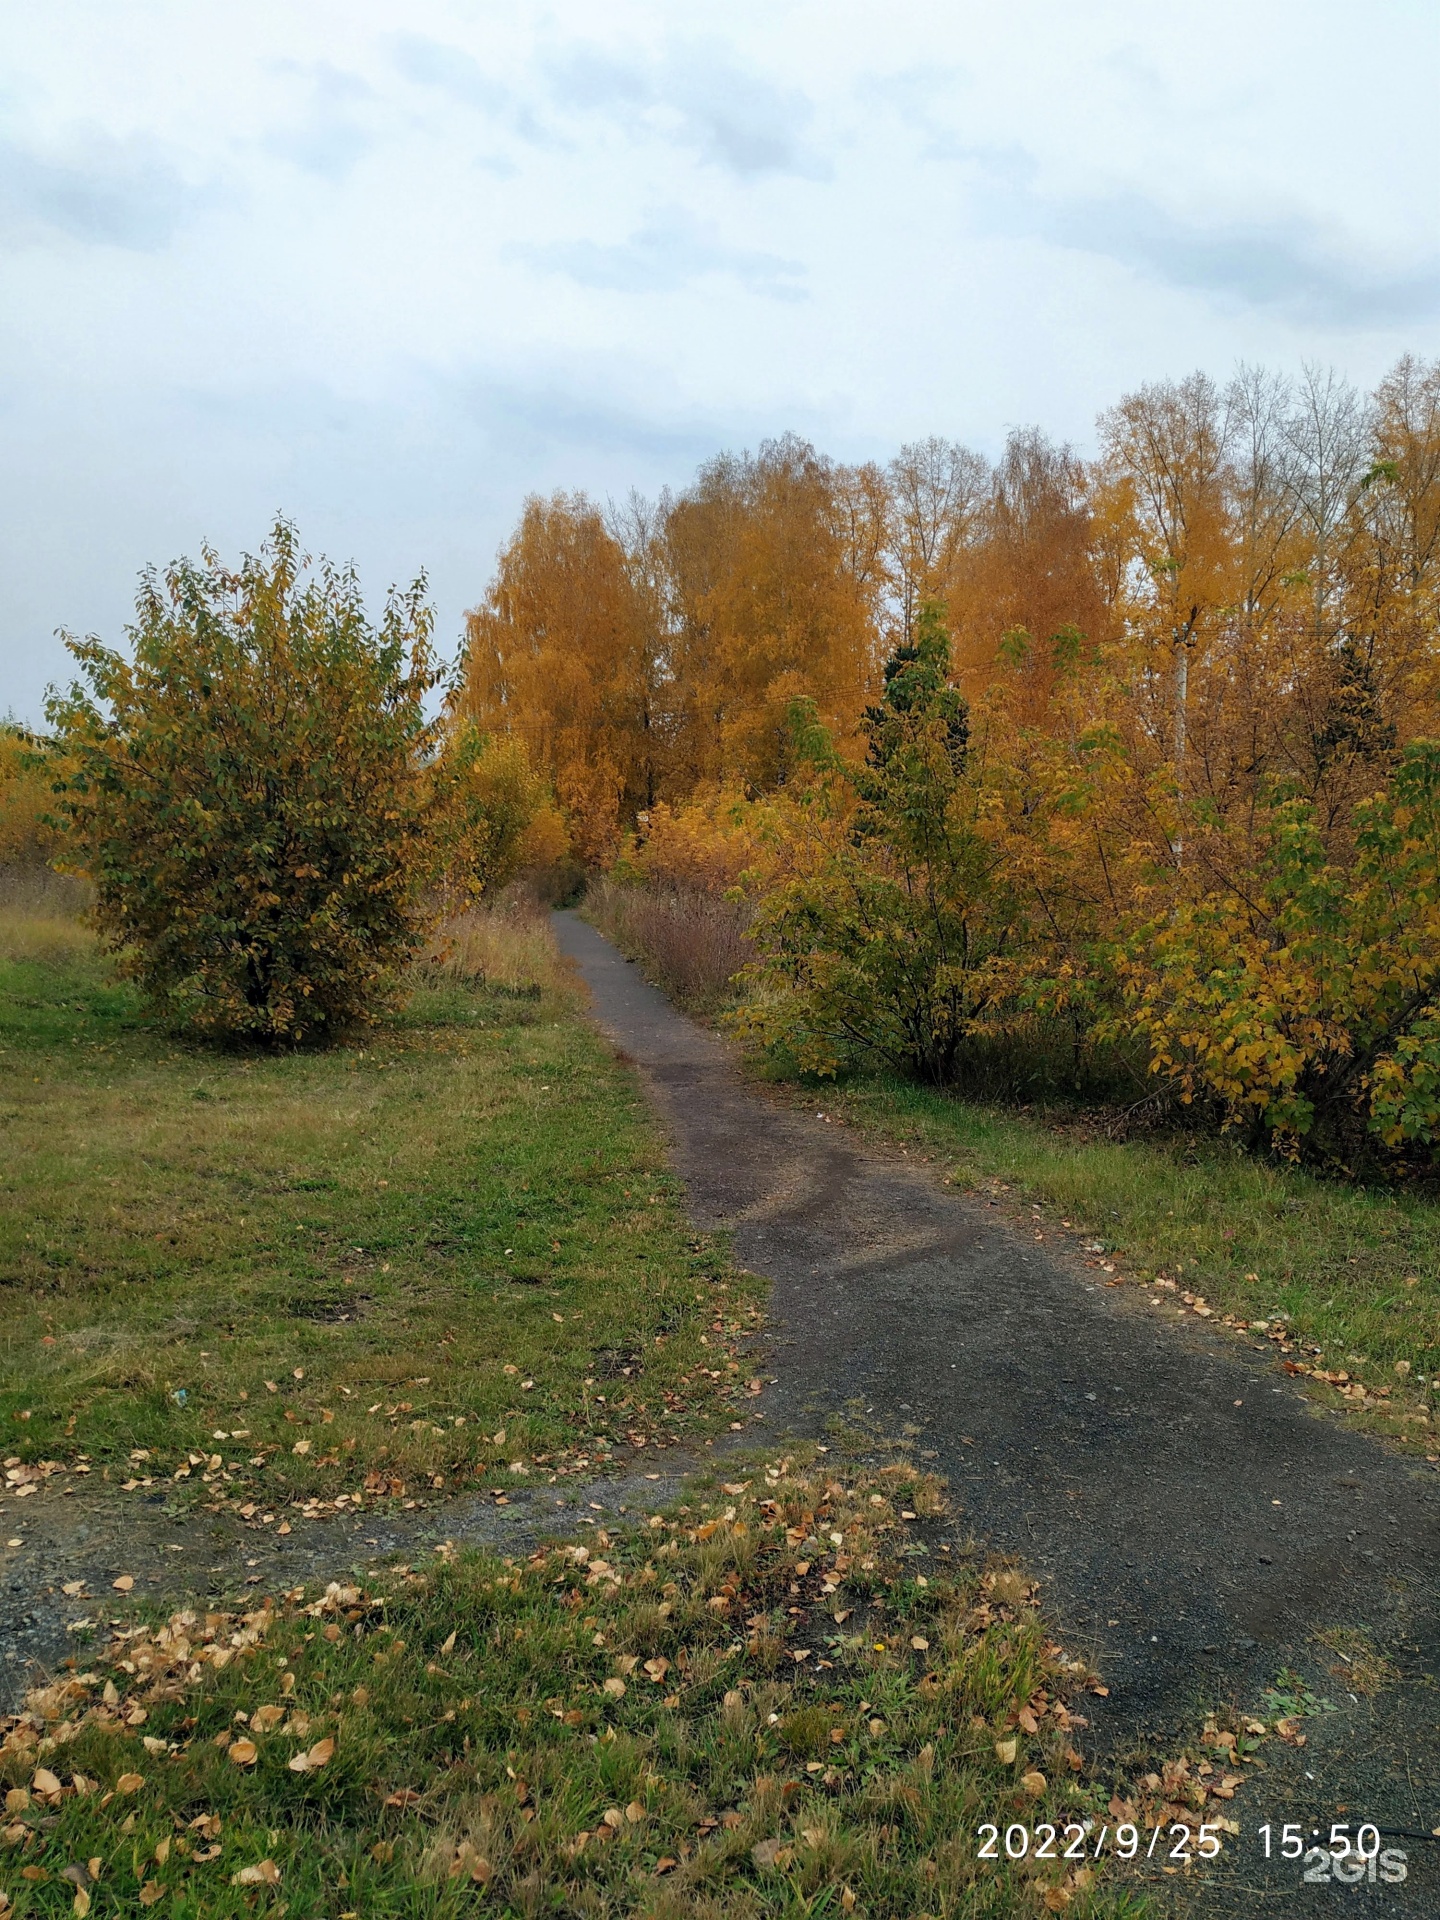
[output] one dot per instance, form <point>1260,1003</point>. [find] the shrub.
<point>497,818</point>
<point>692,943</point>
<point>1305,1003</point>
<point>899,942</point>
<point>26,840</point>
<point>255,793</point>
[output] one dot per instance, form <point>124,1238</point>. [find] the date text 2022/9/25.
<point>1342,1858</point>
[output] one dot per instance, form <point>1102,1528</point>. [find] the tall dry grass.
<point>42,915</point>
<point>689,942</point>
<point>507,946</point>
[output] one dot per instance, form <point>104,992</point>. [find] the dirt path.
<point>1193,1519</point>
<point>101,1535</point>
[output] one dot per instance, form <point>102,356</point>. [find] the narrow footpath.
<point>1193,1519</point>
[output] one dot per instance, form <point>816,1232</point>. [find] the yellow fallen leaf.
<point>1005,1751</point>
<point>44,1781</point>
<point>634,1813</point>
<point>243,1752</point>
<point>448,1645</point>
<point>124,1583</point>
<point>152,1891</point>
<point>919,1643</point>
<point>81,1902</point>
<point>1034,1783</point>
<point>264,1718</point>
<point>264,1873</point>
<point>130,1783</point>
<point>315,1757</point>
<point>615,1688</point>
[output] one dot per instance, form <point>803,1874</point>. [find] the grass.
<point>777,1702</point>
<point>1340,1279</point>
<point>408,1262</point>
<point>690,943</point>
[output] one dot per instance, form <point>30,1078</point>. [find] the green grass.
<point>1354,1271</point>
<point>448,1247</point>
<point>617,1729</point>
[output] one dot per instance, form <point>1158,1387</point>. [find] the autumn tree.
<point>562,654</point>
<point>1023,594</point>
<point>25,838</point>
<point>773,568</point>
<point>937,492</point>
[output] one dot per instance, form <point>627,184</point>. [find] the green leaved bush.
<point>262,800</point>
<point>975,904</point>
<point>897,940</point>
<point>1303,999</point>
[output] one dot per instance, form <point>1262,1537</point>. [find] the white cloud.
<point>389,267</point>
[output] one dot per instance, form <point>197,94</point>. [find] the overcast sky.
<point>389,268</point>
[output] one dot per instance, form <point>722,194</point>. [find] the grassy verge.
<point>778,1702</point>
<point>383,1269</point>
<point>1342,1281</point>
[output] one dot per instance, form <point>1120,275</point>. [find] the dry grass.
<point>689,942</point>
<point>507,947</point>
<point>42,915</point>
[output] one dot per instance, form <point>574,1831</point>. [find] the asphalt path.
<point>1194,1519</point>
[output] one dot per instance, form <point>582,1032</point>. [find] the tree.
<point>25,839</point>
<point>898,941</point>
<point>254,793</point>
<point>775,582</point>
<point>562,655</point>
<point>496,816</point>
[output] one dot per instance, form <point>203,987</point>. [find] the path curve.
<point>1194,1520</point>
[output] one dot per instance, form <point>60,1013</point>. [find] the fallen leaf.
<point>615,1688</point>
<point>81,1902</point>
<point>1005,1751</point>
<point>243,1752</point>
<point>634,1813</point>
<point>264,1718</point>
<point>264,1873</point>
<point>447,1646</point>
<point>130,1783</point>
<point>772,1853</point>
<point>45,1782</point>
<point>1034,1783</point>
<point>317,1756</point>
<point>124,1583</point>
<point>919,1643</point>
<point>152,1891</point>
<point>402,1797</point>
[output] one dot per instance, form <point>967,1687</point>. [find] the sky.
<point>387,269</point>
